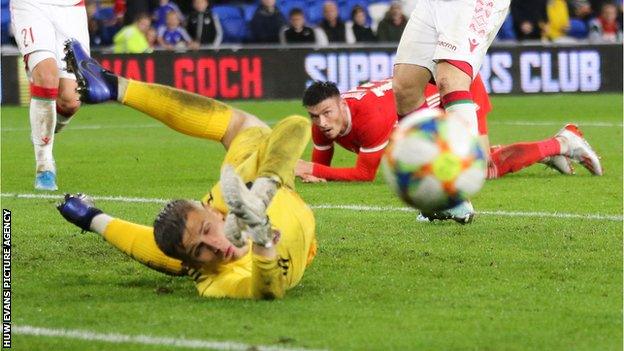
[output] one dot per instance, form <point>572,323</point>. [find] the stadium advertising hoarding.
<point>280,73</point>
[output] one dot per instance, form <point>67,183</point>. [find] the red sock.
<point>424,105</point>
<point>512,158</point>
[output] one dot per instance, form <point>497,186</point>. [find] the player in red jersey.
<point>361,121</point>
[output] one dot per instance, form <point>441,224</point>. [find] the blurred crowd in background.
<point>136,26</point>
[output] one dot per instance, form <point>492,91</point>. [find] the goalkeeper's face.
<point>204,242</point>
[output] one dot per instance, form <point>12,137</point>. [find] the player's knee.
<point>399,86</point>
<point>444,84</point>
<point>45,74</point>
<point>298,121</point>
<point>449,79</point>
<point>67,105</point>
<point>406,95</point>
<point>296,126</point>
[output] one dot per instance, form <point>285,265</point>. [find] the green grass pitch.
<point>529,278</point>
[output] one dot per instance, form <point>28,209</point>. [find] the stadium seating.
<point>6,20</point>
<point>578,29</point>
<point>233,23</point>
<point>287,6</point>
<point>314,12</point>
<point>106,19</point>
<point>347,6</point>
<point>248,12</point>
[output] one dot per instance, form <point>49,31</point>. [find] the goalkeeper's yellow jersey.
<point>254,276</point>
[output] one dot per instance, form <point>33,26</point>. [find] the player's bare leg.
<point>67,103</point>
<point>44,92</point>
<point>408,83</point>
<point>454,87</point>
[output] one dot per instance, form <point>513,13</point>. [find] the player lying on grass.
<point>237,242</point>
<point>361,121</point>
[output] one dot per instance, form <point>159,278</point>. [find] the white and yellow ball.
<point>433,161</point>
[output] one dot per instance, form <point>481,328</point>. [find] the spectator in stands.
<point>203,25</point>
<point>558,20</point>
<point>361,31</point>
<point>332,26</point>
<point>102,24</point>
<point>131,9</point>
<point>605,28</point>
<point>172,36</point>
<point>152,38</point>
<point>160,14</point>
<point>132,38</point>
<point>529,18</point>
<point>93,24</point>
<point>580,9</point>
<point>266,23</point>
<point>297,32</point>
<point>391,27</point>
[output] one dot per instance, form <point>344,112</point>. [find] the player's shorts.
<point>42,29</point>
<point>460,30</point>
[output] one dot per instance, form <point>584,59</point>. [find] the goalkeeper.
<point>238,242</point>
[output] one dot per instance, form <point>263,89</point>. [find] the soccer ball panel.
<point>460,141</point>
<point>412,153</point>
<point>433,161</point>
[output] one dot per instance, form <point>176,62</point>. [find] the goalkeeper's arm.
<point>267,280</point>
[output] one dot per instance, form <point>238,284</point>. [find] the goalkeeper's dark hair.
<point>169,227</point>
<point>319,91</point>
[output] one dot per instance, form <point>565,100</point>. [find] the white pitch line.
<point>555,123</point>
<point>99,198</point>
<point>145,339</point>
<point>94,127</point>
<point>363,208</point>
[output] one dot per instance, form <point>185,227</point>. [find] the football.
<point>433,162</point>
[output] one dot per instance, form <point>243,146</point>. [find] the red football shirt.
<point>372,118</point>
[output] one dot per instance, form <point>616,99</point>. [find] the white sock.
<point>61,122</point>
<point>122,86</point>
<point>467,112</point>
<point>100,222</point>
<point>42,125</point>
<point>564,145</point>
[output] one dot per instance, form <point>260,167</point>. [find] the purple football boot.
<point>95,84</point>
<point>79,210</point>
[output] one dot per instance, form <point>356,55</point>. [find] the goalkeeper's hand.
<point>249,209</point>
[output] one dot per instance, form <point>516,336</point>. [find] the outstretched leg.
<point>137,241</point>
<point>185,112</point>
<point>568,142</point>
